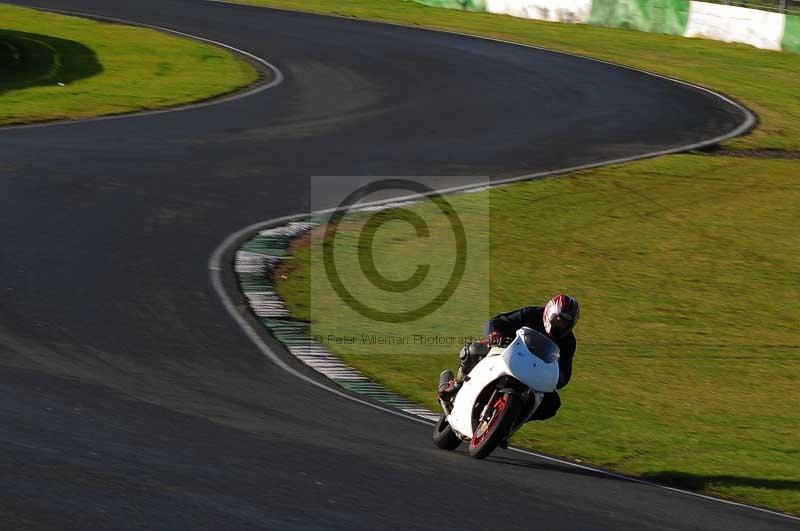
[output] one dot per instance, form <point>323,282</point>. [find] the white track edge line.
<point>748,124</point>
<point>277,76</point>
<point>216,280</point>
<point>660,486</point>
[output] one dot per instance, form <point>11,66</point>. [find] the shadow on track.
<point>681,480</point>
<point>552,467</point>
<point>700,482</point>
<point>30,60</point>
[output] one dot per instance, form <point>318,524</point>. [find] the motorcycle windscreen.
<point>540,345</point>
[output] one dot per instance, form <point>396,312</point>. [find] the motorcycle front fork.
<point>447,407</point>
<point>487,409</point>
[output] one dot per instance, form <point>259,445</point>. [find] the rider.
<point>556,320</point>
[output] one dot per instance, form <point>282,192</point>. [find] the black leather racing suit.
<point>507,324</point>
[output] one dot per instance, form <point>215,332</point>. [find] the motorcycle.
<point>499,395</point>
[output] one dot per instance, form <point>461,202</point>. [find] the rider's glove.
<point>495,338</point>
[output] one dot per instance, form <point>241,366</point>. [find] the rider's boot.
<point>447,385</point>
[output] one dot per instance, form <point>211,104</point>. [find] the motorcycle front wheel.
<point>490,432</point>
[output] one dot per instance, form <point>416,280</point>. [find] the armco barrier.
<point>570,11</point>
<point>465,5</point>
<point>791,34</point>
<point>762,29</point>
<point>652,16</point>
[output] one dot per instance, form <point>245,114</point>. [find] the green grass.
<point>688,268</point>
<point>103,68</point>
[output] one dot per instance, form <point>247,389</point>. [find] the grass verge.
<point>59,67</point>
<point>688,267</point>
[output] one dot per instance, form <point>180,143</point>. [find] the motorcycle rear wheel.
<point>489,434</point>
<point>443,435</point>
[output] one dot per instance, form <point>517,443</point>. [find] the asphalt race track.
<point>128,397</point>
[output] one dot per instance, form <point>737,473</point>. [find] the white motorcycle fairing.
<point>515,360</point>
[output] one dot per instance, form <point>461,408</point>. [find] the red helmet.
<point>560,315</point>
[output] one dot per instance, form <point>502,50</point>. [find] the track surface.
<point>129,400</point>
